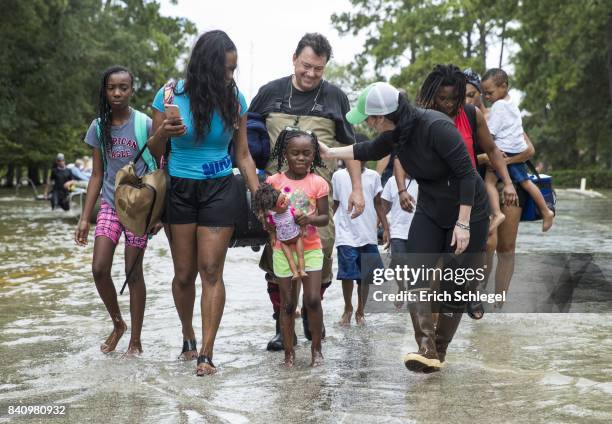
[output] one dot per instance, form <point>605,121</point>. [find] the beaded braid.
<point>280,147</point>
<point>442,76</point>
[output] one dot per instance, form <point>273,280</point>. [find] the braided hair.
<point>280,147</point>
<point>264,199</point>
<point>442,76</point>
<point>104,108</point>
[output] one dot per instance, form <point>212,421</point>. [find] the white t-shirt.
<point>506,127</point>
<point>361,230</point>
<point>399,219</point>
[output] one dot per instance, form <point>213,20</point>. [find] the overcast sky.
<point>266,33</point>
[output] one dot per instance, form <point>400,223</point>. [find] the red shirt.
<point>463,126</point>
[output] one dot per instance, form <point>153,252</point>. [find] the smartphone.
<point>172,112</point>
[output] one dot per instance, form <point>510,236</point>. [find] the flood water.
<point>519,368</point>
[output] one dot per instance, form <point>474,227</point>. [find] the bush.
<point>570,178</point>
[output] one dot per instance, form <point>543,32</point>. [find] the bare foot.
<point>360,318</point>
<point>134,350</point>
<point>547,220</point>
<point>317,359</point>
<point>496,220</point>
<point>345,320</point>
<point>289,359</point>
<point>111,342</point>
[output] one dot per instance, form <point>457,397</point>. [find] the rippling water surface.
<point>506,368</point>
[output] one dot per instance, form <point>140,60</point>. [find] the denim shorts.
<point>357,263</point>
<point>516,171</point>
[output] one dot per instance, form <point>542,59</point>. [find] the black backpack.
<point>248,230</point>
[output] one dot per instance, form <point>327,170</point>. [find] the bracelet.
<point>402,190</point>
<point>462,226</point>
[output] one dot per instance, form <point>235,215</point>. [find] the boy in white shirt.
<point>399,222</point>
<point>356,239</point>
<point>506,127</point>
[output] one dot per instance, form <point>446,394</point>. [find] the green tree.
<point>561,68</point>
<point>57,50</point>
<point>413,36</point>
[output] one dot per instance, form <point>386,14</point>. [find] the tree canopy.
<point>560,66</point>
<point>55,52</point>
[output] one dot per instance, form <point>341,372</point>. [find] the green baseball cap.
<point>376,99</point>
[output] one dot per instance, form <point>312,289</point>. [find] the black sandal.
<point>188,346</point>
<point>474,308</point>
<point>203,359</point>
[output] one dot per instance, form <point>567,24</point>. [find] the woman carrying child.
<point>113,136</point>
<point>444,90</point>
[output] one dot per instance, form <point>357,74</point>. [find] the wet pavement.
<point>506,368</point>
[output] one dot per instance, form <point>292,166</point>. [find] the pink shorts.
<point>108,225</point>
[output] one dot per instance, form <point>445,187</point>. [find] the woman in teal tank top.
<point>200,209</point>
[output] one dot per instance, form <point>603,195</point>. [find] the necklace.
<point>314,103</point>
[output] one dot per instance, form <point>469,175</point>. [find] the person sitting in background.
<point>87,166</point>
<point>77,170</point>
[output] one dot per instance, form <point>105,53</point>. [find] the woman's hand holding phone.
<point>173,123</point>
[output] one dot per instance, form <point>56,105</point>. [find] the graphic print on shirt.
<point>300,201</point>
<point>123,147</point>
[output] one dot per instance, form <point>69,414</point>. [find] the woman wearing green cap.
<point>452,215</point>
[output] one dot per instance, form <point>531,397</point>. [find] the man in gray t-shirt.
<point>124,149</point>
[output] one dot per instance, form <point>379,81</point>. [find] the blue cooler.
<point>544,183</point>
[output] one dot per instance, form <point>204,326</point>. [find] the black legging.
<point>427,242</point>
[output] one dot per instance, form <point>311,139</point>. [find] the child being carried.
<point>506,127</point>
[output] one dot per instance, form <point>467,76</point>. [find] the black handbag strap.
<point>532,168</point>
<point>128,277</point>
<point>139,155</point>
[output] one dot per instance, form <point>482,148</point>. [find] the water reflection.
<point>507,368</point>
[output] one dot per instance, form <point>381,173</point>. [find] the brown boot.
<point>424,333</point>
<point>447,326</point>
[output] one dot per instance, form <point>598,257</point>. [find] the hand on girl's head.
<point>324,151</point>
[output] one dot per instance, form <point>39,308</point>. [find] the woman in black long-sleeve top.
<point>451,215</point>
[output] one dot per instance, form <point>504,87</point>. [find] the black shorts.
<point>208,203</point>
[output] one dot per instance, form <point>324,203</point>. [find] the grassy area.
<point>570,178</point>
